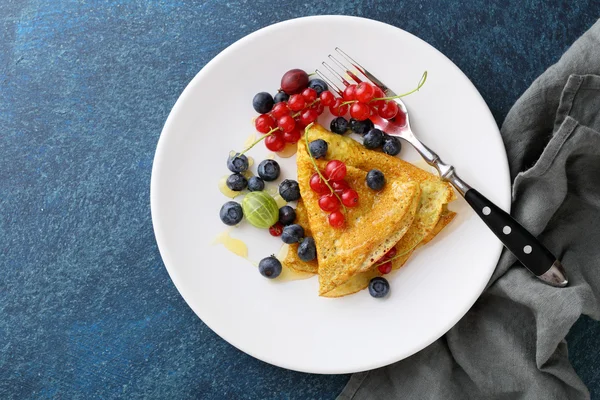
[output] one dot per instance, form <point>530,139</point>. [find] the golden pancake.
<point>371,229</point>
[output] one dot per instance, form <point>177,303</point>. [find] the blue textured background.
<point>86,307</point>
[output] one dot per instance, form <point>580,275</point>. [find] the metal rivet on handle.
<point>527,249</point>
<point>486,211</point>
<point>506,230</point>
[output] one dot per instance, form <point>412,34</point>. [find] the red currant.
<point>317,184</point>
<point>338,109</point>
<point>286,123</point>
<point>328,202</point>
<point>296,102</point>
<point>275,142</point>
<point>349,93</point>
<point>293,136</point>
<point>309,95</point>
<point>318,107</point>
<point>280,109</point>
<point>378,95</point>
<point>335,170</point>
<point>360,111</point>
<point>364,92</point>
<point>276,230</point>
<point>400,118</point>
<point>349,198</point>
<point>388,110</point>
<point>385,268</point>
<point>264,123</point>
<point>309,116</point>
<point>327,98</point>
<point>299,124</point>
<point>336,219</point>
<point>390,254</point>
<point>340,186</point>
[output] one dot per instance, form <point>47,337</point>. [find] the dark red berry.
<point>388,110</point>
<point>349,198</point>
<point>275,142</point>
<point>336,219</point>
<point>264,123</point>
<point>327,98</point>
<point>309,116</point>
<point>317,184</point>
<point>286,123</point>
<point>318,107</point>
<point>364,92</point>
<point>329,202</point>
<point>349,93</point>
<point>293,136</point>
<point>335,170</point>
<point>296,102</point>
<point>294,81</point>
<point>360,111</point>
<point>338,109</point>
<point>309,95</point>
<point>385,268</point>
<point>276,230</point>
<point>279,110</point>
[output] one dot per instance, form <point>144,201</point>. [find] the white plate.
<point>288,324</point>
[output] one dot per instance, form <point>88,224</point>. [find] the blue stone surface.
<point>87,309</point>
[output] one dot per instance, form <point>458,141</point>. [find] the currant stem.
<point>314,163</point>
<point>421,83</point>
<point>348,102</point>
<point>305,107</point>
<point>270,133</point>
<point>401,254</point>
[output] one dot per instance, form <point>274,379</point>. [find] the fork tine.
<point>364,71</point>
<point>345,69</point>
<point>334,72</point>
<point>329,82</point>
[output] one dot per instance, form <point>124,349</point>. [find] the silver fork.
<point>528,250</point>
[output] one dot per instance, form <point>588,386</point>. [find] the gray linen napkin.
<point>511,345</point>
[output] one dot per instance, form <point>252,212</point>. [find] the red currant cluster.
<point>334,191</point>
<point>364,100</point>
<point>384,264</point>
<point>284,122</point>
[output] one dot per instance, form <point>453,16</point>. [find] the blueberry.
<point>339,125</point>
<point>375,179</point>
<point>391,145</point>
<point>236,182</point>
<point>307,251</point>
<point>318,85</point>
<point>289,190</point>
<point>237,162</point>
<point>318,148</point>
<point>379,287</point>
<point>281,96</point>
<point>287,215</point>
<point>231,213</point>
<point>360,127</point>
<point>268,170</point>
<point>262,102</point>
<point>269,267</point>
<point>255,184</point>
<point>373,139</point>
<point>292,234</point>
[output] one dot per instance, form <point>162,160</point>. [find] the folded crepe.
<point>431,214</point>
<point>371,229</point>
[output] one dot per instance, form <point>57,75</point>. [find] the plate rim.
<point>165,253</point>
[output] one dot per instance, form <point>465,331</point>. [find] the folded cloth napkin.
<point>511,344</point>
